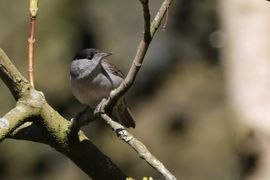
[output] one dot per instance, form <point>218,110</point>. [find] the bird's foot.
<point>100,107</point>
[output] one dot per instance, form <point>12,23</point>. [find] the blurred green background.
<point>178,99</point>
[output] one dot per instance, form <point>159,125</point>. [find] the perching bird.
<point>92,78</point>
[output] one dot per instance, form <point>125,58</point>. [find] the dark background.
<point>178,98</point>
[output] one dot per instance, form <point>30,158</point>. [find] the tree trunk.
<point>246,57</point>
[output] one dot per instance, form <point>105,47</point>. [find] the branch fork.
<point>35,120</point>
<point>107,104</point>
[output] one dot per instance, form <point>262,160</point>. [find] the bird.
<point>92,78</point>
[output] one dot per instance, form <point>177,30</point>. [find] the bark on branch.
<point>14,118</point>
<point>55,130</point>
<point>33,9</point>
<point>51,126</point>
<point>149,32</point>
<point>139,147</point>
<point>107,104</point>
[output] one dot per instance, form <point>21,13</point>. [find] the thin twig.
<point>149,32</point>
<point>166,20</point>
<point>139,147</point>
<point>141,51</point>
<point>83,118</point>
<point>147,20</point>
<point>31,40</point>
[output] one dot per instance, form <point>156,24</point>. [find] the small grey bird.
<point>92,78</point>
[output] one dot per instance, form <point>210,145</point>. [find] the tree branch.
<point>16,83</point>
<point>108,103</point>
<point>55,130</point>
<point>15,118</point>
<point>139,147</point>
<point>52,127</point>
<point>77,148</point>
<point>33,9</point>
<point>149,32</point>
<point>83,118</point>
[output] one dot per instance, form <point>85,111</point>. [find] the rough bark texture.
<point>64,135</point>
<point>51,126</point>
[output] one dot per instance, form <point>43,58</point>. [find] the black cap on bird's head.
<point>91,53</point>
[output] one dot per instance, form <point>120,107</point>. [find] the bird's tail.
<point>124,115</point>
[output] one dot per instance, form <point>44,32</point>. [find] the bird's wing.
<point>113,69</point>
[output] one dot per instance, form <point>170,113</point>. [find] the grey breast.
<point>87,82</point>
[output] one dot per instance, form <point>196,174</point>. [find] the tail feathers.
<point>126,118</point>
<point>124,115</point>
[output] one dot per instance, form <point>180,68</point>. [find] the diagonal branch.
<point>139,147</point>
<point>149,32</point>
<point>46,123</point>
<point>78,148</point>
<point>51,128</point>
<point>56,130</point>
<point>16,83</point>
<point>107,104</point>
<point>14,118</point>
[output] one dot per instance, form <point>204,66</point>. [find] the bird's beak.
<point>104,54</point>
